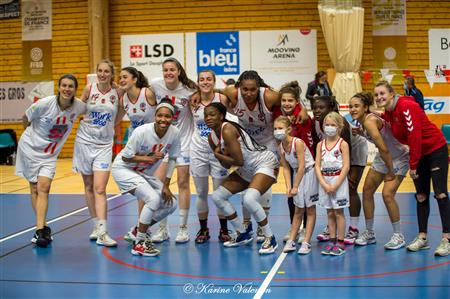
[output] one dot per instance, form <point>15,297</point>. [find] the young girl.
<point>296,155</point>
<point>332,166</point>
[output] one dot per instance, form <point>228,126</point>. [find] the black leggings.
<point>433,167</point>
<point>291,204</point>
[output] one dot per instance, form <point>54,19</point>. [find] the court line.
<point>53,220</point>
<point>269,277</point>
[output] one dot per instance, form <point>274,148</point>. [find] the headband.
<point>167,105</point>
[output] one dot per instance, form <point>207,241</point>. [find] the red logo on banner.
<point>305,31</point>
<point>135,51</point>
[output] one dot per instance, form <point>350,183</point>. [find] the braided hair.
<point>223,110</point>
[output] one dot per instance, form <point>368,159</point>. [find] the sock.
<point>183,216</point>
<point>224,224</point>
<point>94,221</point>
<point>369,224</point>
<point>163,223</point>
<point>140,236</point>
<point>354,221</point>
<point>101,225</point>
<point>204,224</point>
<point>396,227</point>
<point>237,225</point>
<point>266,230</point>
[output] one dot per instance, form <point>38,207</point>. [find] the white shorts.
<point>128,179</point>
<point>358,155</point>
<point>339,200</point>
<point>183,159</point>
<point>308,190</point>
<point>267,164</point>
<point>31,169</point>
<point>401,164</point>
<point>204,164</point>
<point>88,158</point>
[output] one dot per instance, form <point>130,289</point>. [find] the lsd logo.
<point>218,51</point>
<point>135,51</point>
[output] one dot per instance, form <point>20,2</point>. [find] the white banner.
<point>225,53</point>
<point>437,105</point>
<point>281,56</point>
<point>147,52</point>
<point>439,48</point>
<point>389,17</point>
<point>16,97</point>
<point>36,19</point>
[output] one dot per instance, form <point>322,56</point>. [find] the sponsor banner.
<point>437,105</point>
<point>9,9</point>
<point>36,19</point>
<point>37,60</point>
<point>439,49</point>
<point>16,97</point>
<point>148,51</point>
<point>225,53</point>
<point>389,17</point>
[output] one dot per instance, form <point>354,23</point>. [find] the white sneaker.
<point>183,235</point>
<point>301,236</point>
<point>94,235</point>
<point>418,244</point>
<point>161,235</point>
<point>443,249</point>
<point>105,240</point>
<point>397,241</point>
<point>305,248</point>
<point>324,235</point>
<point>366,238</point>
<point>290,246</point>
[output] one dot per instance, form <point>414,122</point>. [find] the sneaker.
<point>241,239</point>
<point>301,236</point>
<point>290,246</point>
<point>397,241</point>
<point>337,250</point>
<point>162,235</point>
<point>366,238</point>
<point>224,235</point>
<point>305,248</point>
<point>351,236</point>
<point>39,238</point>
<point>327,249</point>
<point>248,227</point>
<point>183,234</point>
<point>269,245</point>
<point>324,235</point>
<point>48,233</point>
<point>418,244</point>
<point>202,236</point>
<point>260,235</point>
<point>443,249</point>
<point>94,235</point>
<point>287,236</point>
<point>130,236</point>
<point>105,240</point>
<point>144,248</point>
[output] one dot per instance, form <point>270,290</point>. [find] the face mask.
<point>330,131</point>
<point>279,134</point>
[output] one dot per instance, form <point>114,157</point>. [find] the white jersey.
<point>97,126</point>
<point>143,142</point>
<point>359,149</point>
<point>257,122</point>
<point>201,130</point>
<point>396,149</point>
<point>182,118</point>
<point>139,112</point>
<point>49,129</point>
<point>331,159</point>
<point>291,156</point>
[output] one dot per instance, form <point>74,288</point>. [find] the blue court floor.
<point>74,267</point>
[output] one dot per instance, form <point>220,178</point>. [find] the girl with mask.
<point>332,166</point>
<point>297,162</point>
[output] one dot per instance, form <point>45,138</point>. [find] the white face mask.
<point>330,131</point>
<point>279,134</point>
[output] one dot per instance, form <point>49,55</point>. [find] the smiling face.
<point>170,73</point>
<point>249,91</point>
<point>288,102</point>
<point>206,82</point>
<point>67,89</point>
<point>357,109</point>
<point>163,118</point>
<point>104,73</point>
<point>126,80</point>
<point>213,117</point>
<point>320,109</point>
<point>383,97</point>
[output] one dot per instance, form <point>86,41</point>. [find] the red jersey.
<point>302,131</point>
<point>411,126</point>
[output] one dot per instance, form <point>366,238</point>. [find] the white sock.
<point>266,230</point>
<point>237,225</point>
<point>94,221</point>
<point>163,223</point>
<point>183,216</point>
<point>354,221</point>
<point>140,236</point>
<point>101,225</point>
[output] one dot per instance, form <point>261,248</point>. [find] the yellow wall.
<point>70,31</point>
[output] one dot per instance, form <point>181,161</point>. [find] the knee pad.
<point>220,197</point>
<point>202,205</point>
<point>150,196</point>
<point>266,199</point>
<point>251,203</point>
<point>146,214</point>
